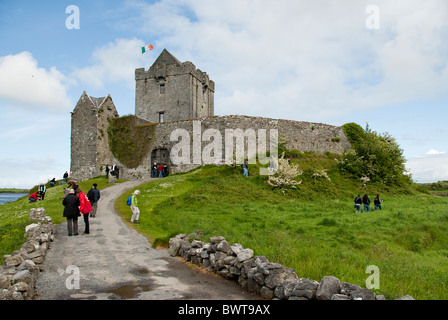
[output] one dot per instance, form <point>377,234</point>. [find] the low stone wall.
<point>258,275</point>
<point>20,270</point>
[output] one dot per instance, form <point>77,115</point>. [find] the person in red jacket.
<point>33,197</point>
<point>84,207</point>
<point>160,170</point>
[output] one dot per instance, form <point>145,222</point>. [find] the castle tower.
<point>89,139</point>
<point>172,90</point>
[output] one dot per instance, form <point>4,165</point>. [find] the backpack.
<point>129,202</point>
<point>91,196</point>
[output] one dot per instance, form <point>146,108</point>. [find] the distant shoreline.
<point>13,190</point>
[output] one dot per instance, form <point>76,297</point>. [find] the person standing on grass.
<point>358,202</point>
<point>245,167</point>
<point>93,195</point>
<point>134,207</point>
<point>71,212</point>
<point>42,190</point>
<point>366,202</point>
<point>85,208</point>
<point>377,202</point>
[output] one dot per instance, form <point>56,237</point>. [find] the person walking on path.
<point>377,202</point>
<point>85,208</point>
<point>93,195</point>
<point>134,207</point>
<point>358,202</point>
<point>366,202</point>
<point>71,212</point>
<point>107,171</point>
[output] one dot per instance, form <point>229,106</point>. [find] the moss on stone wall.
<point>129,141</point>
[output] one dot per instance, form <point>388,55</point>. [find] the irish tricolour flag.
<point>147,48</point>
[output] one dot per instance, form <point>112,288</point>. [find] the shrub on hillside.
<point>373,156</point>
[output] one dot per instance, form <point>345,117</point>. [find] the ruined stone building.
<point>169,96</point>
<point>89,143</point>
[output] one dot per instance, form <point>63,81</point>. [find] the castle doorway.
<point>161,156</point>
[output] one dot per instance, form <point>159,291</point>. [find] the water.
<point>10,197</point>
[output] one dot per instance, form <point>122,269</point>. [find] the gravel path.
<point>115,262</point>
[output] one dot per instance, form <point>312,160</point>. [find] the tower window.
<point>161,116</point>
<point>162,88</point>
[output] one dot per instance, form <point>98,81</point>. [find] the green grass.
<point>313,230</point>
<point>13,190</point>
<point>14,216</point>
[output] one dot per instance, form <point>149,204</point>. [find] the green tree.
<point>375,156</point>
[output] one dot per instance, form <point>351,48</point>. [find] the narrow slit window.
<point>161,116</point>
<point>162,88</point>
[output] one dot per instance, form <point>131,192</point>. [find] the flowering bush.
<point>286,175</point>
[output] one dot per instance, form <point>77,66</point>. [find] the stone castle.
<point>173,95</point>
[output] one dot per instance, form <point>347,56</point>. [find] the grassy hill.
<point>312,229</point>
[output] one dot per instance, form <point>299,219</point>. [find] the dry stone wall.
<point>258,275</point>
<point>20,270</point>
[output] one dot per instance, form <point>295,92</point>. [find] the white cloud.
<point>26,173</point>
<point>25,84</point>
<point>306,59</point>
<point>434,151</point>
<point>431,167</point>
<point>113,62</point>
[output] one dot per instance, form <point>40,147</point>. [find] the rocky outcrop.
<point>20,270</point>
<point>258,275</point>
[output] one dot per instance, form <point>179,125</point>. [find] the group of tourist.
<point>365,201</point>
<point>160,170</point>
<point>39,194</point>
<point>76,202</point>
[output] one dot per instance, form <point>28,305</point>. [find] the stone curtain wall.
<point>302,136</point>
<point>258,275</point>
<point>20,270</point>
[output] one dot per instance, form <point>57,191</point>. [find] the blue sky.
<point>312,61</point>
